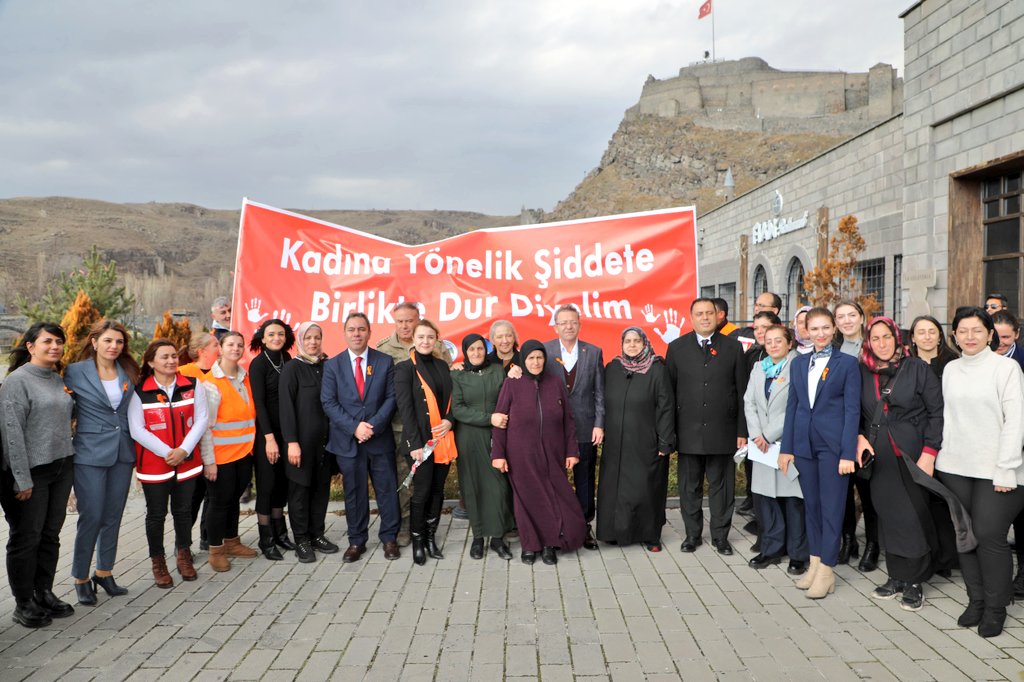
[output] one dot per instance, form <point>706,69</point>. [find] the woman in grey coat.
<point>779,496</point>
<point>101,383</point>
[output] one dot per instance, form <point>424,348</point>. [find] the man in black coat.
<point>709,374</point>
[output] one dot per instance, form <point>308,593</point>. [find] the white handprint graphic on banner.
<point>252,311</point>
<point>673,320</point>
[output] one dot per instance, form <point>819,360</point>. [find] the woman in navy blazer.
<point>101,383</point>
<point>822,422</point>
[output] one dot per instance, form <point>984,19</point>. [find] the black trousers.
<point>271,481</point>
<point>200,499</point>
<point>988,570</point>
<point>584,477</point>
<point>691,470</point>
<point>850,515</point>
<point>427,494</point>
<point>180,495</point>
<point>33,545</point>
<point>307,505</point>
<point>232,480</point>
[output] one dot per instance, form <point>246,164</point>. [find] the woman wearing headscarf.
<point>928,342</point>
<point>901,425</point>
<point>102,382</point>
<point>639,436</point>
<point>536,449</point>
<point>506,345</point>
<point>423,391</point>
<point>485,490</point>
<point>35,471</point>
<point>271,342</point>
<point>304,431</point>
<point>801,340</point>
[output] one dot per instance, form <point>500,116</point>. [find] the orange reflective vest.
<point>170,421</point>
<point>234,432</point>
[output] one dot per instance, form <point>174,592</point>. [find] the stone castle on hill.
<point>748,94</point>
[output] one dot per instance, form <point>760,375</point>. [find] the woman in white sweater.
<point>981,462</point>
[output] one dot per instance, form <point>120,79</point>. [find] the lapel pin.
<point>824,375</point>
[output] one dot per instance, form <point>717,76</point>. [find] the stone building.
<point>936,188</point>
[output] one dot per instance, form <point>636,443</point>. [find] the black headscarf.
<point>524,352</point>
<point>466,343</point>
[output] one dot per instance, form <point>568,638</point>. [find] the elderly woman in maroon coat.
<point>536,447</point>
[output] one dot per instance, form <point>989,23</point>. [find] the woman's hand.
<point>926,463</point>
<point>660,453</point>
<point>515,372</point>
<point>24,495</point>
<point>570,462</point>
<point>499,420</point>
<point>294,454</point>
<point>210,472</point>
<point>457,367</point>
<point>442,429</point>
<point>761,443</point>
<point>417,455</point>
<point>785,461</point>
<point>1001,489</point>
<point>500,464</point>
<point>846,466</point>
<point>273,453</point>
<point>862,445</point>
<point>176,457</point>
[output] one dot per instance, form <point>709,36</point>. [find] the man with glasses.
<point>581,366</point>
<point>996,302</point>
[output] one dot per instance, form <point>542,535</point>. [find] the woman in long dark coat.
<point>304,432</point>
<point>536,449</point>
<point>908,432</point>
<point>486,491</point>
<point>639,434</point>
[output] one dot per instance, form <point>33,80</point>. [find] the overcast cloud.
<point>471,105</point>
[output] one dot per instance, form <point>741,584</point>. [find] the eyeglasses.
<point>993,306</point>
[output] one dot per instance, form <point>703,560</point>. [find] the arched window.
<point>760,281</point>
<point>794,287</point>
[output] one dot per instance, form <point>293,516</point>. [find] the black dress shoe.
<point>54,607</point>
<point>549,556</point>
<point>751,527</point>
<point>746,507</point>
<point>501,549</point>
<point>796,567</point>
<point>589,542</point>
<point>476,550</point>
<point>110,586</point>
<point>304,552</point>
<point>528,557</point>
<point>691,544</point>
<point>723,547</point>
<point>86,593</point>
<point>322,544</point>
<point>756,547</point>
<point>947,573</point>
<point>30,614</point>
<point>763,561</point>
<point>869,561</point>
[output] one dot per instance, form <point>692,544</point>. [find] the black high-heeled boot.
<point>431,536</point>
<point>281,538</point>
<point>267,544</point>
<point>992,620</point>
<point>848,547</point>
<point>869,561</point>
<point>419,554</point>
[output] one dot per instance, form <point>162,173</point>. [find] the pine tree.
<point>97,278</point>
<point>835,278</point>
<point>180,333</point>
<point>76,322</point>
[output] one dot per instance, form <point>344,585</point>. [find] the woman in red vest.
<point>233,432</point>
<point>167,419</point>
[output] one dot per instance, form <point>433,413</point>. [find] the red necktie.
<point>359,376</point>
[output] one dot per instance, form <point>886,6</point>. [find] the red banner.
<point>619,271</point>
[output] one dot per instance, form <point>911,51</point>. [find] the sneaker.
<point>913,597</point>
<point>890,590</point>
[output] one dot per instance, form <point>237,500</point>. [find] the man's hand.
<point>515,372</point>
<point>499,420</point>
<point>364,432</point>
<point>740,442</point>
<point>597,437</point>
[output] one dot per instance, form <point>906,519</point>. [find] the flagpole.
<point>713,36</point>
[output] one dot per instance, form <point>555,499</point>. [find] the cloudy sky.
<point>471,105</point>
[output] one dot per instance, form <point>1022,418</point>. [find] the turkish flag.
<point>705,10</point>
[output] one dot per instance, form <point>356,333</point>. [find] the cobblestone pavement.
<point>616,613</point>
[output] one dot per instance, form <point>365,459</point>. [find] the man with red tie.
<point>358,396</point>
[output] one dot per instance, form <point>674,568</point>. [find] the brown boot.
<point>805,581</point>
<point>218,559</point>
<point>824,583</point>
<point>234,547</point>
<point>160,575</point>
<point>185,568</point>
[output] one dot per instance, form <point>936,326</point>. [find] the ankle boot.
<point>847,548</point>
<point>184,560</point>
<point>869,561</point>
<point>234,547</point>
<point>432,549</point>
<point>419,554</point>
<point>1018,581</point>
<point>30,614</point>
<point>824,583</point>
<point>281,538</point>
<point>218,559</point>
<point>992,621</point>
<point>807,579</point>
<point>268,544</point>
<point>160,574</point>
<point>972,614</point>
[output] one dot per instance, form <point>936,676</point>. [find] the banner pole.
<point>713,57</point>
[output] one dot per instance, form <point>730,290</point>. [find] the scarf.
<point>300,353</point>
<point>524,352</point>
<point>444,449</point>
<point>466,343</point>
<point>771,368</point>
<point>640,363</point>
<point>825,352</point>
<point>801,342</point>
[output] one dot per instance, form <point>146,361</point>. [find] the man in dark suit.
<point>358,396</point>
<point>709,374</point>
<point>581,366</point>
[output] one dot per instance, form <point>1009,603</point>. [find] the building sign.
<point>776,227</point>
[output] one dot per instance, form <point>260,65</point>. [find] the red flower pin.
<point>714,352</point>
